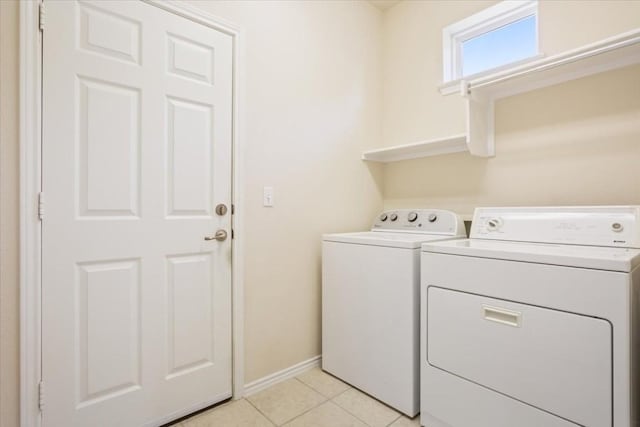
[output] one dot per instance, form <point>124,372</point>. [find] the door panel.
<point>109,33</point>
<point>108,150</point>
<point>190,59</point>
<point>190,314</point>
<point>189,154</point>
<point>136,153</point>
<point>108,328</point>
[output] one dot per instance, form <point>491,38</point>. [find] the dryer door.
<point>556,361</point>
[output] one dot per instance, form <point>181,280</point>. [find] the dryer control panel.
<point>617,226</point>
<point>427,221</point>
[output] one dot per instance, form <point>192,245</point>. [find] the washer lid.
<point>381,238</point>
<point>594,257</point>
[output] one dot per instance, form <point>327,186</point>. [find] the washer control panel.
<point>428,221</point>
<point>576,225</point>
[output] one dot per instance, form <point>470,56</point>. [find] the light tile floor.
<point>312,399</point>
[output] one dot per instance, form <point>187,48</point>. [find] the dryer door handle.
<point>502,315</point>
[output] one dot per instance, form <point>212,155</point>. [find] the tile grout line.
<point>350,387</point>
<point>310,409</point>
<point>348,411</point>
<point>305,412</point>
<point>297,416</point>
<point>259,411</point>
<point>394,420</point>
<point>328,397</point>
<point>357,417</point>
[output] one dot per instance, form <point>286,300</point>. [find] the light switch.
<point>268,196</point>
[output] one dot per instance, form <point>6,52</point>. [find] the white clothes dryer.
<point>533,321</point>
<point>370,303</point>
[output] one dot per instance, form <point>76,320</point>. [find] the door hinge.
<point>41,16</point>
<point>41,395</point>
<point>40,206</point>
<point>233,209</point>
<point>232,233</point>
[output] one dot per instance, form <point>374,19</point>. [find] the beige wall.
<point>313,97</point>
<point>9,333</point>
<point>413,109</point>
<point>313,103</point>
<point>569,24</point>
<point>575,143</point>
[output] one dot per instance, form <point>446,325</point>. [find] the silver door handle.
<point>220,236</point>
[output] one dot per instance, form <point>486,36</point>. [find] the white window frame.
<point>503,13</point>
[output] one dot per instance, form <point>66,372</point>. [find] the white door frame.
<point>30,188</point>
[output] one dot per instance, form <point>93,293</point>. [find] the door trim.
<point>30,136</point>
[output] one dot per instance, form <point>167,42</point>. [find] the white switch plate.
<point>267,198</point>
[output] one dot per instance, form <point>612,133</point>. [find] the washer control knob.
<point>412,216</point>
<point>393,217</point>
<point>383,217</point>
<point>494,223</point>
<point>617,227</point>
<point>432,217</point>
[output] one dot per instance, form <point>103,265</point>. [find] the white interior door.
<point>137,131</point>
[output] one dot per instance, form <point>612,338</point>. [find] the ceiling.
<point>384,4</point>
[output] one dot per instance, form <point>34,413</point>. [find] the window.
<point>501,35</point>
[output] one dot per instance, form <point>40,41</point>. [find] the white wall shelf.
<point>433,147</point>
<point>608,54</point>
<point>481,93</point>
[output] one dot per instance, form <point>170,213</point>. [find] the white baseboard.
<point>290,372</point>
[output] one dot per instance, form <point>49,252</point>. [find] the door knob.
<point>221,209</point>
<point>220,236</point>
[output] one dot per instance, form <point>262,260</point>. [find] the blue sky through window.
<point>503,45</point>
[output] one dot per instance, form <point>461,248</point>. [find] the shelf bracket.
<point>480,125</point>
<point>465,88</point>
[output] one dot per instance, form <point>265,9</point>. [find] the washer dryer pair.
<point>370,303</point>
<point>534,321</point>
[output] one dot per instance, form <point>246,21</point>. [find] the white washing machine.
<point>370,303</point>
<point>534,321</point>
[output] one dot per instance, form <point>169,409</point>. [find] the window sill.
<point>608,54</point>
<point>459,85</point>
